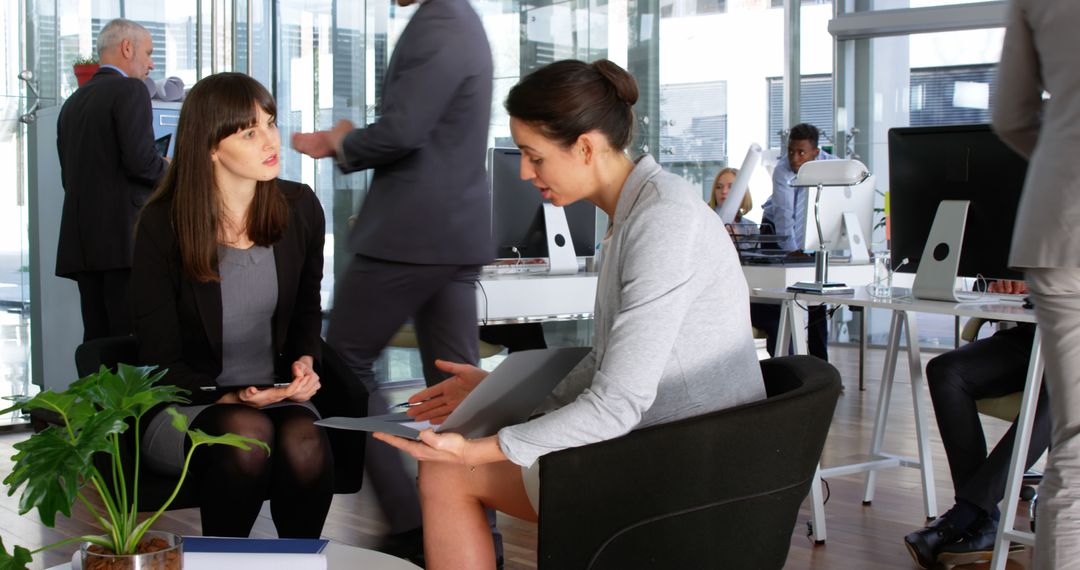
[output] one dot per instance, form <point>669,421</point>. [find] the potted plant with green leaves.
<point>57,467</point>
<point>85,68</point>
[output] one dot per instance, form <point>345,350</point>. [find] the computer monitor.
<point>517,213</point>
<point>835,201</point>
<point>957,162</point>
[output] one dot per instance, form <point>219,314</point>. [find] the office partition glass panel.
<point>714,99</point>
<point>16,100</point>
<point>920,80</point>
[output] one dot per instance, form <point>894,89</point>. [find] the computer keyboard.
<point>514,268</point>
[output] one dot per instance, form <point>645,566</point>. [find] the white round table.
<point>342,557</point>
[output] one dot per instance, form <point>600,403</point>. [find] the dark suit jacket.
<point>109,167</point>
<point>178,320</point>
<point>429,201</point>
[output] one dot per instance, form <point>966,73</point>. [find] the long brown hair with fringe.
<point>215,108</point>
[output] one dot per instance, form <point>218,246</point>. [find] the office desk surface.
<point>986,307</point>
<point>338,556</point>
<point>509,298</point>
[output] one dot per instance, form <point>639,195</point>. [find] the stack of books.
<point>213,553</point>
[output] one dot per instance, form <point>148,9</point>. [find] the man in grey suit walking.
<point>1039,55</point>
<point>424,228</point>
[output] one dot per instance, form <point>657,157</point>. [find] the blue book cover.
<point>255,545</point>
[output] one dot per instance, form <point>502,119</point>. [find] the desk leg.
<point>922,426</point>
<point>792,328</point>
<point>863,343</point>
<point>1019,454</point>
<point>884,395</point>
<point>817,507</point>
<point>783,328</point>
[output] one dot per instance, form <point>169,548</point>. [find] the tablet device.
<point>216,388</point>
<point>162,144</point>
<point>506,397</point>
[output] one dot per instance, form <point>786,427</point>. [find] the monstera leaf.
<point>54,464</point>
<point>16,561</point>
<point>130,389</point>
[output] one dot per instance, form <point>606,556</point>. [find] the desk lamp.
<point>822,173</point>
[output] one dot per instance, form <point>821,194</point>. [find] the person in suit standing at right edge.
<point>109,167</point>
<point>1039,56</point>
<point>424,228</point>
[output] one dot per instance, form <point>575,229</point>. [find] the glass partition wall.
<point>715,76</point>
<point>936,68</point>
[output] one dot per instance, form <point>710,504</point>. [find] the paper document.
<point>506,397</point>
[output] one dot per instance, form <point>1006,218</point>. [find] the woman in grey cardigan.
<point>672,314</point>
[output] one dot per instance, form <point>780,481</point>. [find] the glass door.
<point>17,102</point>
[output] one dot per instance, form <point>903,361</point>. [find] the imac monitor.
<point>958,162</point>
<point>517,213</point>
<point>835,201</point>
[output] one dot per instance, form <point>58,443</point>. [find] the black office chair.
<point>341,394</point>
<point>721,490</point>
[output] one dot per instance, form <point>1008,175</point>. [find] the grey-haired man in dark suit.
<point>423,230</point>
<point>109,166</point>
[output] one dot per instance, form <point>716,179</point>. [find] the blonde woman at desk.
<point>722,186</point>
<point>672,328</point>
<point>740,226</point>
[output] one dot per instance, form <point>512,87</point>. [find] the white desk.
<point>338,557</point>
<point>513,298</point>
<point>903,320</point>
<point>509,298</point>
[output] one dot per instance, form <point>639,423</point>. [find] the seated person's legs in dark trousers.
<point>515,337</point>
<point>987,368</point>
<point>766,317</point>
<point>373,299</point>
<point>105,302</point>
<point>297,477</point>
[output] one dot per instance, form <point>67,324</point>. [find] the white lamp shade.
<point>845,172</point>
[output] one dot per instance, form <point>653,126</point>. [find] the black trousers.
<point>105,298</point>
<point>987,368</point>
<point>766,316</point>
<point>372,299</point>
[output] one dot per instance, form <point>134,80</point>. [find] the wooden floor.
<point>860,537</point>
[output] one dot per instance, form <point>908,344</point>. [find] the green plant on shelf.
<point>86,60</point>
<point>57,465</point>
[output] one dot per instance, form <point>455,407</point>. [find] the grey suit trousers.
<point>372,299</point>
<point>1056,294</point>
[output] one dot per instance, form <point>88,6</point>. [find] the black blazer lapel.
<point>208,300</point>
<point>287,256</point>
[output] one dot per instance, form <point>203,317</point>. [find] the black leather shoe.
<point>924,544</point>
<point>974,547</point>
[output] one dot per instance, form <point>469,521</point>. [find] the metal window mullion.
<point>792,65</point>
<point>906,21</point>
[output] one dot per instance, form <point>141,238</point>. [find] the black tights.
<point>297,477</point>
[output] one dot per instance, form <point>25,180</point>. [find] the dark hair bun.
<point>625,86</point>
<point>567,98</point>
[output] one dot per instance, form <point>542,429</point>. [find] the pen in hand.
<point>407,404</point>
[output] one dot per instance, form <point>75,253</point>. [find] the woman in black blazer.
<point>225,288</point>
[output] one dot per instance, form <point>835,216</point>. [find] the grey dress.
<point>249,291</point>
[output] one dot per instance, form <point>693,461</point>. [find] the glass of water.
<point>882,283</point>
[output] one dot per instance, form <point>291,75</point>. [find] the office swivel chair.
<point>721,490</point>
<point>341,394</point>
